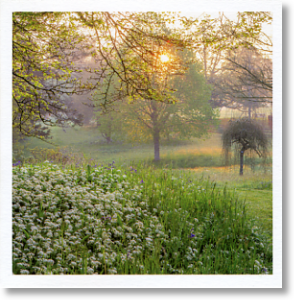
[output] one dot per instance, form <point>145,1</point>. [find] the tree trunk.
<point>226,158</point>
<point>241,161</point>
<point>249,111</point>
<point>156,145</point>
<point>205,62</point>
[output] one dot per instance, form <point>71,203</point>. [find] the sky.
<point>232,15</point>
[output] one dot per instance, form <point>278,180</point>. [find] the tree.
<point>126,48</point>
<point>224,34</point>
<point>129,45</point>
<point>110,123</point>
<point>246,134</point>
<point>216,39</point>
<point>190,116</point>
<point>255,73</point>
<point>45,45</point>
<point>245,80</point>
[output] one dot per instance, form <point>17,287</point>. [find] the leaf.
<point>119,220</point>
<point>86,237</point>
<point>26,233</point>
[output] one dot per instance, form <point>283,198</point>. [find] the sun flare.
<point>164,58</point>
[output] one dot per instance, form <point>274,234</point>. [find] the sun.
<point>164,58</point>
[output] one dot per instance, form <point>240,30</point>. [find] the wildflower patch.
<point>105,221</point>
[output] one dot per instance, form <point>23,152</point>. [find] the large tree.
<point>190,116</point>
<point>127,48</point>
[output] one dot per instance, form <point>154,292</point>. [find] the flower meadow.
<point>108,220</point>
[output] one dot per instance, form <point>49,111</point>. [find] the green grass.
<point>176,154</point>
<point>259,207</point>
<point>254,187</point>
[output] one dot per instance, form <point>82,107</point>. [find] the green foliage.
<point>190,116</point>
<point>111,221</point>
<point>143,120</point>
<point>245,134</point>
<point>224,34</point>
<point>44,74</point>
<point>131,44</point>
<point>111,124</point>
<point>221,44</point>
<point>48,52</point>
<point>19,145</point>
<point>110,121</point>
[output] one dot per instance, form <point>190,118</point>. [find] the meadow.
<point>110,210</point>
<point>85,144</point>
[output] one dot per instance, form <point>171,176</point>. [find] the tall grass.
<point>135,220</point>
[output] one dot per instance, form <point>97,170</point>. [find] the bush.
<point>59,155</point>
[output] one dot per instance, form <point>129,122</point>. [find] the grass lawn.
<point>182,154</point>
<point>253,187</point>
<point>259,206</point>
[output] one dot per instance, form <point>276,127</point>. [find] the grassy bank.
<point>105,220</point>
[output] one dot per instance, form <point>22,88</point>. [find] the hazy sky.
<point>267,28</point>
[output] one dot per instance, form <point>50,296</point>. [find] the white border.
<point>7,279</point>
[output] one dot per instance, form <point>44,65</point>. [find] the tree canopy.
<point>126,48</point>
<point>44,47</point>
<point>245,81</point>
<point>58,55</point>
<point>47,47</point>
